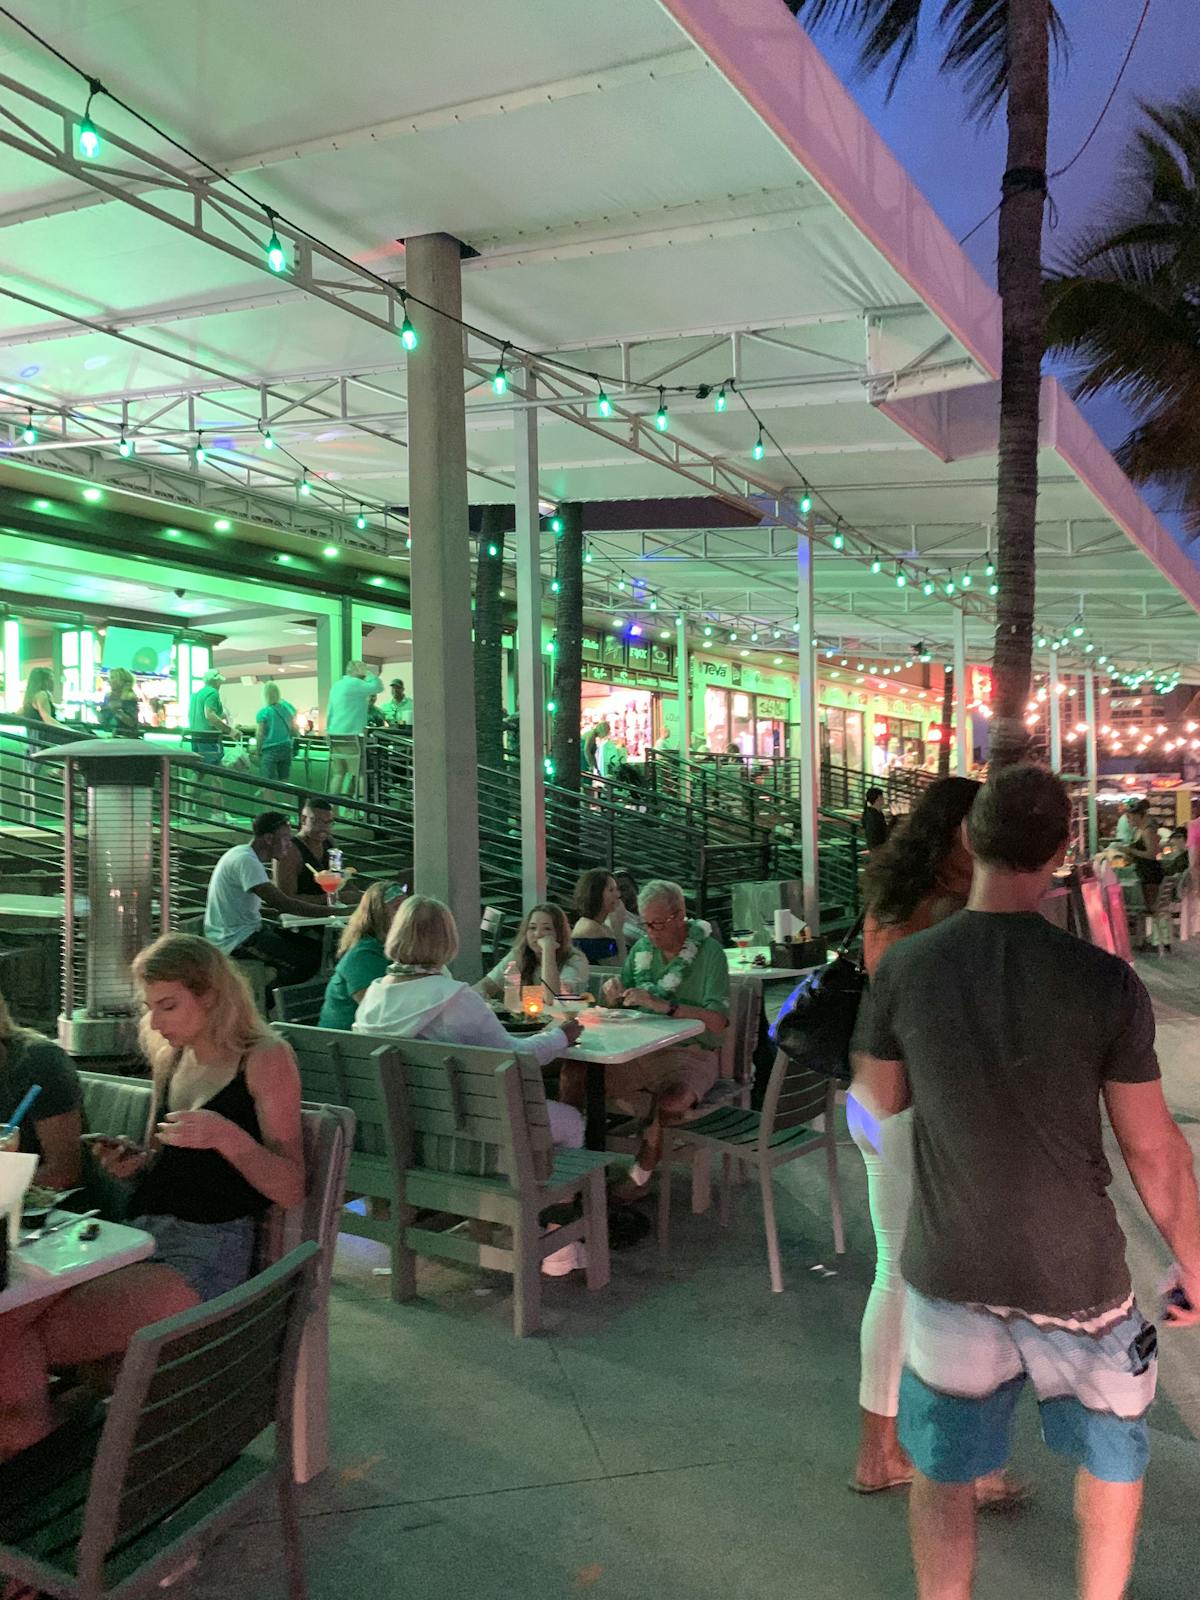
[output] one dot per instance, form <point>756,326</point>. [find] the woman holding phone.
<point>223,1144</point>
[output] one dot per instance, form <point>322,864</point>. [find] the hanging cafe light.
<point>276,255</point>
<point>408,334</point>
<point>90,143</point>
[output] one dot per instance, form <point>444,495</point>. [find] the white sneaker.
<point>570,1258</point>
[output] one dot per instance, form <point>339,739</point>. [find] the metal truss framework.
<point>43,130</point>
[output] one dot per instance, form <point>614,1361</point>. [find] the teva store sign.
<point>733,675</point>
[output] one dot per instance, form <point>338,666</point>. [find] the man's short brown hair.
<point>1020,820</point>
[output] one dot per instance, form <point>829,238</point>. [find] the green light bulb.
<point>125,447</point>
<point>603,404</point>
<point>493,550</point>
<point>993,588</point>
<point>967,580</point>
<point>587,556</point>
<point>877,565</point>
<point>360,522</point>
<point>950,586</point>
<point>660,419</point>
<point>305,486</point>
<point>29,432</point>
<point>268,440</point>
<point>901,580</point>
<point>284,559</point>
<point>551,706</point>
<point>990,569</point>
<point>759,450</point>
<point>408,334</point>
<point>89,139</point>
<point>556,523</point>
<point>927,587</point>
<point>330,552</point>
<point>554,587</point>
<point>276,259</point>
<point>1041,641</point>
<point>721,401</point>
<point>839,542</point>
<point>500,380</point>
<point>806,506</point>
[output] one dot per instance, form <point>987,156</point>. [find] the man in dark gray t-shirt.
<point>1004,1033</point>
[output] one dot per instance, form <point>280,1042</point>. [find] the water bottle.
<point>335,861</point>
<point>512,988</point>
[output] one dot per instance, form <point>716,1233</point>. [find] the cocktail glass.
<point>742,937</point>
<point>330,882</point>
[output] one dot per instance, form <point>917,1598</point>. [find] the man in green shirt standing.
<point>677,969</point>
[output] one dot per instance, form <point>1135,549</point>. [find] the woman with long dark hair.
<point>918,878</point>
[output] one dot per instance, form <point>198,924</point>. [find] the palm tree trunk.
<point>568,654</point>
<point>947,717</point>
<point>1019,278</point>
<point>489,651</point>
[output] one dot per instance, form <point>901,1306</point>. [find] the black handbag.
<point>816,1024</point>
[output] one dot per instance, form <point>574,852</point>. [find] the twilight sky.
<point>959,168</point>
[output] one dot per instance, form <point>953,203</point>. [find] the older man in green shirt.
<point>675,970</point>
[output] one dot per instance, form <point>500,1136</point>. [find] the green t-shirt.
<point>277,721</point>
<point>203,701</point>
<point>705,984</point>
<point>356,970</point>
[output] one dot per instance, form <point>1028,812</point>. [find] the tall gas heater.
<point>116,894</point>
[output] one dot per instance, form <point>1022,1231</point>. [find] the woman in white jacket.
<point>417,999</point>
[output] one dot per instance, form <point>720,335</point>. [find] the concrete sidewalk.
<point>684,1435</point>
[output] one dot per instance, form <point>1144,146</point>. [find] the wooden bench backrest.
<point>460,1109</point>
<point>452,1097</point>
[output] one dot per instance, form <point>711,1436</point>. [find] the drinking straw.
<point>19,1114</point>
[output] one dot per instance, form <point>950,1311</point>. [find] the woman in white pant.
<point>921,875</point>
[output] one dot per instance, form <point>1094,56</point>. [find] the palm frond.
<point>976,34</point>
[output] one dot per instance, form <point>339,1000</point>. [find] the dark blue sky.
<point>959,168</point>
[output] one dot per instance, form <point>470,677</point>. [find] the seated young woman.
<point>223,1139</point>
<point>544,952</point>
<point>52,1126</point>
<point>416,1000</point>
<point>599,929</point>
<point>223,1143</point>
<point>361,957</point>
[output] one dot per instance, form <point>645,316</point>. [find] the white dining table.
<point>741,965</point>
<point>47,1266</point>
<point>605,1043</point>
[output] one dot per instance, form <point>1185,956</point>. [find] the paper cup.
<point>16,1174</point>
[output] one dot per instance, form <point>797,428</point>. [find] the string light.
<point>839,541</point>
<point>360,520</point>
<point>806,507</point>
<point>268,439</point>
<point>556,523</point>
<point>759,450</point>
<point>950,586</point>
<point>409,337</point>
<point>331,552</point>
<point>124,447</point>
<point>500,376</point>
<point>721,401</point>
<point>29,432</point>
<point>90,143</point>
<point>990,570</point>
<point>276,256</point>
<point>967,580</point>
<point>305,486</point>
<point>199,454</point>
<point>877,565</point>
<point>660,416</point>
<point>927,587</point>
<point>901,579</point>
<point>603,404</point>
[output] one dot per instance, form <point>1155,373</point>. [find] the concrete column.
<point>810,747</point>
<point>1093,765</point>
<point>331,657</point>
<point>683,668</point>
<point>1055,703</point>
<point>445,783</point>
<point>530,674</point>
<point>352,632</point>
<point>962,717</point>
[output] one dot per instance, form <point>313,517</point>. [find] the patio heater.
<point>116,899</point>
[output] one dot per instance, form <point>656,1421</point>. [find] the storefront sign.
<point>726,672</point>
<point>770,707</point>
<point>614,649</point>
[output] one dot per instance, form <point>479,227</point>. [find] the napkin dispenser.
<point>811,952</point>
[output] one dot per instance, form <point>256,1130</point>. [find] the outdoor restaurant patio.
<point>686,1434</point>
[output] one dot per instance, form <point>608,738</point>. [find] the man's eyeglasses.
<point>661,923</point>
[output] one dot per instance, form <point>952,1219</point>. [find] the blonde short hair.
<point>424,933</point>
<point>271,692</point>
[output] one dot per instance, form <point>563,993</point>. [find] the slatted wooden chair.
<point>301,1002</point>
<point>121,1105</point>
<point>782,1131</point>
<point>470,1135</point>
<point>339,1068</point>
<point>118,1501</point>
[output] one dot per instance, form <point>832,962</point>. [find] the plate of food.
<point>523,1025</point>
<point>39,1201</point>
<point>609,1014</point>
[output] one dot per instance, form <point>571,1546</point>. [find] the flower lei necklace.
<point>670,980</point>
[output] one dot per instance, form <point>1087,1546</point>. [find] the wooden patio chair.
<point>469,1134</point>
<point>301,1002</point>
<point>782,1131</point>
<point>114,1104</point>
<point>116,1502</point>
